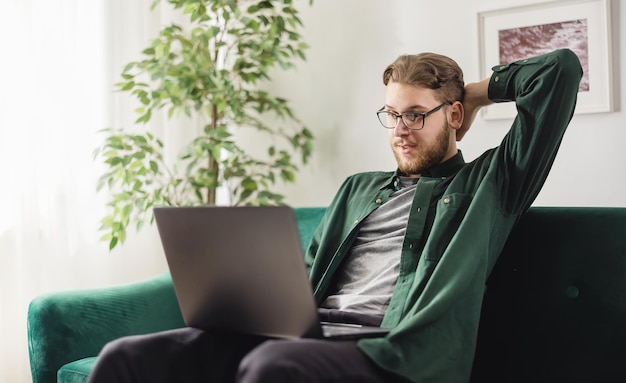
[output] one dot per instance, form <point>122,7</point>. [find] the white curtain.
<point>59,61</point>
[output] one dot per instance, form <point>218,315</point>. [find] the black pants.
<point>193,355</point>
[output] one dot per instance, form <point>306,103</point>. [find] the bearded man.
<point>409,250</point>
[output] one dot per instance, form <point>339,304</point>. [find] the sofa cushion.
<point>555,305</point>
<point>76,372</point>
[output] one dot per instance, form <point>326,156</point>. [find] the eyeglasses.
<point>412,120</point>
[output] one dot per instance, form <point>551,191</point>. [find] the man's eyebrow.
<point>412,108</point>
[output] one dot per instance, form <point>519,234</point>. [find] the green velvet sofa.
<point>554,311</point>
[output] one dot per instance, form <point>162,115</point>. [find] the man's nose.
<point>401,129</point>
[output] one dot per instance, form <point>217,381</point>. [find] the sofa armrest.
<point>66,326</point>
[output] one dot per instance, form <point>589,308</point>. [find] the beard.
<point>427,154</point>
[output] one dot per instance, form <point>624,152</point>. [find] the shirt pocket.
<point>449,214</point>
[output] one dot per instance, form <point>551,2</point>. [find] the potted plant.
<point>211,70</point>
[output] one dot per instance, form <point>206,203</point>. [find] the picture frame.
<point>584,26</point>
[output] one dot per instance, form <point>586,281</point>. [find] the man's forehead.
<point>408,96</point>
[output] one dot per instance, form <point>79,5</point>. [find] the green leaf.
<point>128,67</point>
<point>154,167</point>
<point>126,211</point>
<point>145,117</point>
<point>287,175</point>
<point>112,243</point>
<point>129,85</point>
<point>249,184</point>
<point>106,237</point>
<point>245,195</point>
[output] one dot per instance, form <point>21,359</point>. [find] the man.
<point>409,250</point>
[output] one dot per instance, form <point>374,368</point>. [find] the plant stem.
<point>213,165</point>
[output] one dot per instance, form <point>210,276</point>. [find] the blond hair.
<point>429,70</point>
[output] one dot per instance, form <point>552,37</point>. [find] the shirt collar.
<point>442,170</point>
<point>446,168</point>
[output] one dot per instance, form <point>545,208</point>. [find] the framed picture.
<point>584,26</point>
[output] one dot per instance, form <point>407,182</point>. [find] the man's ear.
<point>455,117</point>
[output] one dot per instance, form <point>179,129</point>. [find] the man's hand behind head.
<point>476,96</point>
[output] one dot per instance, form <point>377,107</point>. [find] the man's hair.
<point>431,71</point>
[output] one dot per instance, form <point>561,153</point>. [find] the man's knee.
<point>115,351</point>
<point>112,360</point>
<point>268,362</point>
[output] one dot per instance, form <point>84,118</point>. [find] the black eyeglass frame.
<point>401,115</point>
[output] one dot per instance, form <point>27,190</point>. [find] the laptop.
<point>242,269</point>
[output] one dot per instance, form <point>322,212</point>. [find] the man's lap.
<point>193,355</point>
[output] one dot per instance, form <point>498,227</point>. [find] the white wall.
<point>338,89</point>
<point>336,92</point>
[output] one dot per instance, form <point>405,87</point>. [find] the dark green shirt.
<point>461,216</point>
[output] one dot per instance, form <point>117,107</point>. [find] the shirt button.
<point>419,209</point>
<point>446,200</point>
<point>497,78</point>
<point>572,292</point>
<point>503,67</point>
<point>395,183</point>
<point>356,222</point>
<point>379,201</point>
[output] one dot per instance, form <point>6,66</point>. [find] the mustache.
<point>402,142</point>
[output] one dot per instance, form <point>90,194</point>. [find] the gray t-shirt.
<point>366,282</point>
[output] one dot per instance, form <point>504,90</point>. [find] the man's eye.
<point>411,117</point>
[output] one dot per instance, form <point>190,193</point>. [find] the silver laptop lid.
<point>239,268</point>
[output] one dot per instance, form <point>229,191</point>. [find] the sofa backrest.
<point>555,307</point>
<point>308,218</point>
